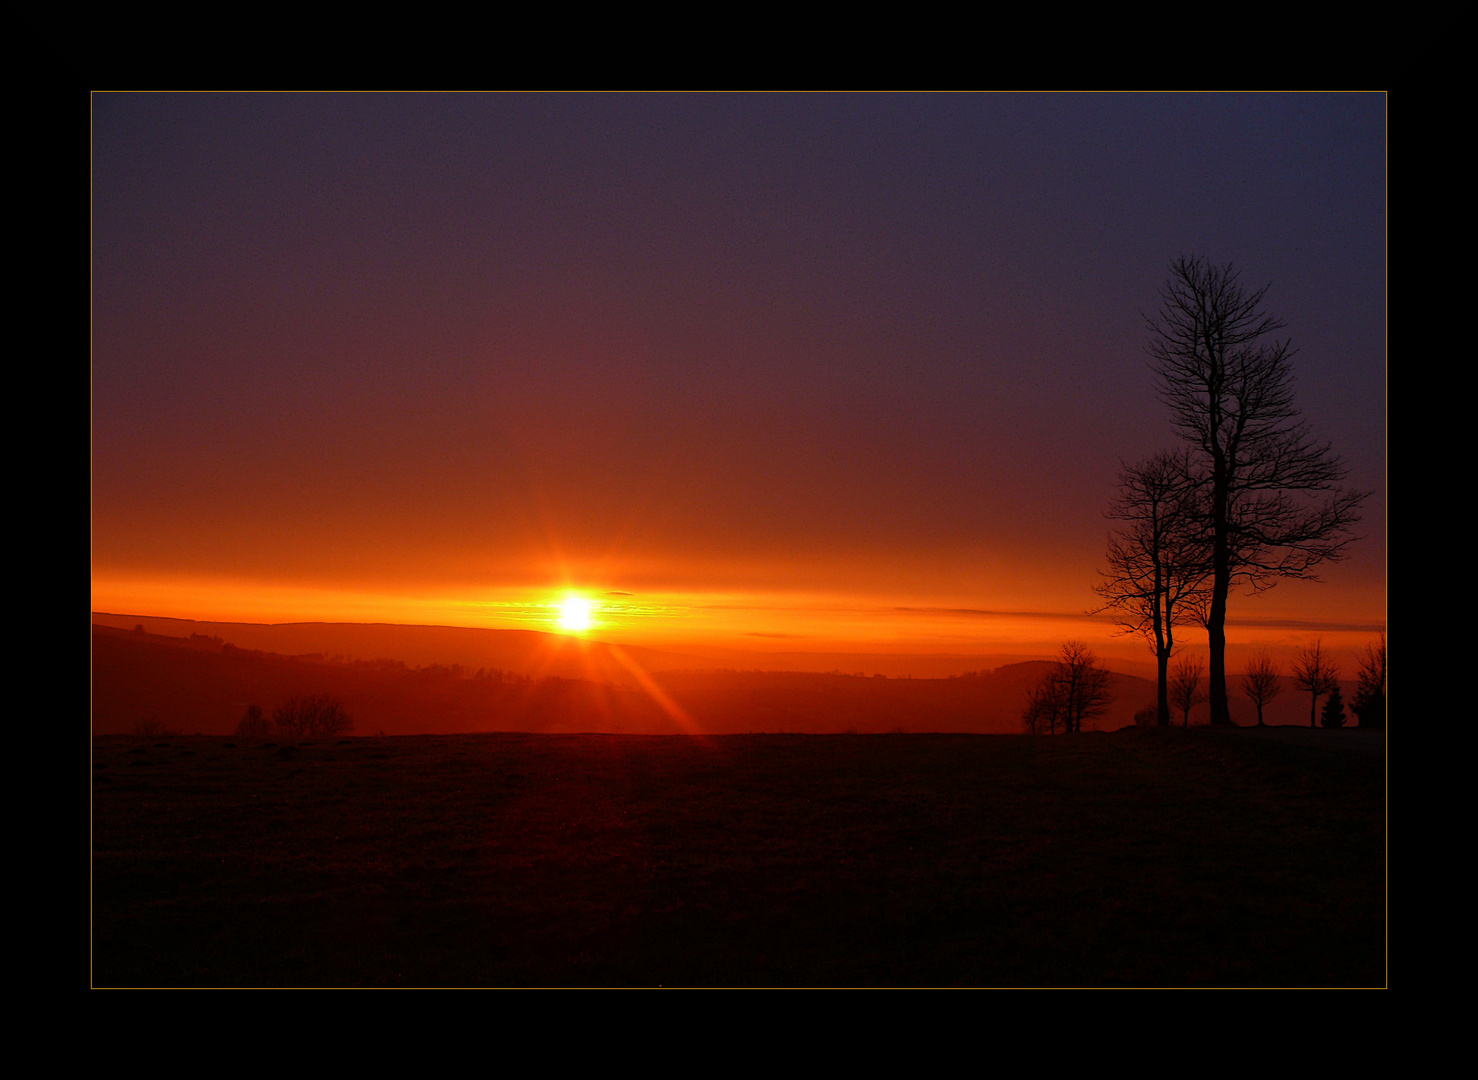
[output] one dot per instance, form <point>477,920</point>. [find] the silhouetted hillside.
<point>525,652</point>
<point>198,686</point>
<point>533,652</point>
<point>806,702</point>
<point>204,684</point>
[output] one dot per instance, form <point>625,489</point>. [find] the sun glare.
<point>574,613</point>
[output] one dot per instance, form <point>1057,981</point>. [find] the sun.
<point>574,613</point>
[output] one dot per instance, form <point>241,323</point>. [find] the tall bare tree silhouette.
<point>1274,507</point>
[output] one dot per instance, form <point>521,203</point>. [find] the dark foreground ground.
<point>1142,858</point>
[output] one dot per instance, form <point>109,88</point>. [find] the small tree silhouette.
<point>1045,709</point>
<point>253,725</point>
<point>1315,673</point>
<point>1262,682</point>
<point>1185,688</point>
<point>1334,710</point>
<point>316,715</point>
<point>1076,690</point>
<point>1370,696</point>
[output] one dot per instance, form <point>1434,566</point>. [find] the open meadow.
<point>1142,857</point>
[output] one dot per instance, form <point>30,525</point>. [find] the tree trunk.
<point>1221,578</point>
<point>1216,639</point>
<point>1162,701</point>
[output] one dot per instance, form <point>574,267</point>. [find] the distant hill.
<point>524,652</point>
<point>203,682</point>
<point>204,685</point>
<point>800,701</point>
<point>531,652</point>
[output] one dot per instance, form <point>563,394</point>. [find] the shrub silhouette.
<point>314,715</point>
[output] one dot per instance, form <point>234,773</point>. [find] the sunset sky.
<point>763,372</point>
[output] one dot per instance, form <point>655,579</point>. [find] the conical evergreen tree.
<point>1334,711</point>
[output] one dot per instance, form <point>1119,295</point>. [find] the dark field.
<point>1139,858</point>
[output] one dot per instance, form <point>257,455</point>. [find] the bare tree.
<point>1185,688</point>
<point>1316,674</point>
<point>1159,562</point>
<point>1074,691</point>
<point>1370,694</point>
<point>1045,708</point>
<point>1274,508</point>
<point>253,724</point>
<point>315,715</point>
<point>1262,682</point>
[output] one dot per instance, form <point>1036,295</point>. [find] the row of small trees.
<point>1315,674</point>
<point>1077,689</point>
<point>314,715</point>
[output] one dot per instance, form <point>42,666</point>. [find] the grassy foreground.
<point>1139,858</point>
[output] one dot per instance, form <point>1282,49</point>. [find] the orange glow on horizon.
<point>706,623</point>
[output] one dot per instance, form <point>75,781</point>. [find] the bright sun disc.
<point>574,614</point>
